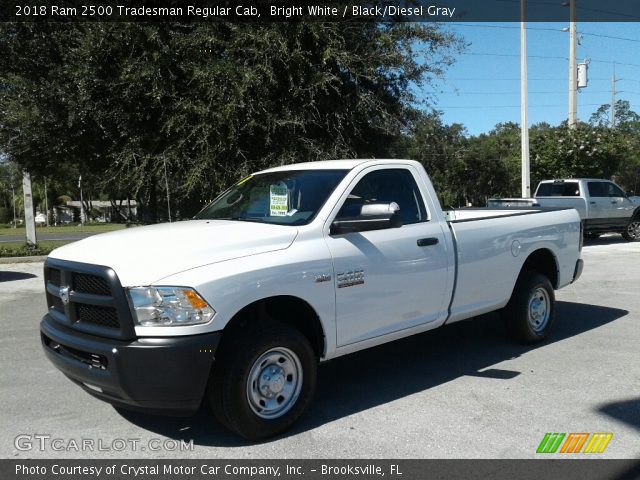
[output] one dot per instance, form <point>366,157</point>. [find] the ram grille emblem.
<point>64,295</point>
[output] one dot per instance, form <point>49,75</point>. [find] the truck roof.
<point>346,164</point>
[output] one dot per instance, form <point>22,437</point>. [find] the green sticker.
<point>278,200</point>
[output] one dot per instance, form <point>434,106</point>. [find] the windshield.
<point>291,197</point>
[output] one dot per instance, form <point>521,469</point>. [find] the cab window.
<point>597,189</point>
<point>386,186</point>
<point>614,190</point>
<point>558,189</point>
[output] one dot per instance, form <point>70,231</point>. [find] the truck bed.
<point>488,243</point>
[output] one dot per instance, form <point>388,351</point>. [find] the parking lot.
<point>462,391</point>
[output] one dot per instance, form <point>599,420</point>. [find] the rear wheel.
<point>632,232</point>
<point>530,313</point>
<point>263,381</point>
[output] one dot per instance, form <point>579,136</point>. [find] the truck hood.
<point>145,255</point>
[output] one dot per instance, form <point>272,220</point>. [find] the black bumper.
<point>578,270</point>
<point>164,374</point>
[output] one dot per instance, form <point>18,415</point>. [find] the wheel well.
<point>543,261</point>
<point>286,309</point>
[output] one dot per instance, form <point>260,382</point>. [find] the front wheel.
<point>263,381</point>
<point>530,313</point>
<point>632,232</point>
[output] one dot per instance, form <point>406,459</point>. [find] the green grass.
<point>73,228</point>
<point>21,249</point>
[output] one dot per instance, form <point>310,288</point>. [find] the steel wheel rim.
<point>274,383</point>
<point>634,229</point>
<point>539,309</point>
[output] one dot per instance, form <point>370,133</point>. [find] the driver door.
<point>390,279</point>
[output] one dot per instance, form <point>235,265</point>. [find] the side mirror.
<point>372,216</point>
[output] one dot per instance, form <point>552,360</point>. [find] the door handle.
<point>613,201</point>
<point>592,203</point>
<point>425,242</point>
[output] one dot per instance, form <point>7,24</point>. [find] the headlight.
<point>168,306</point>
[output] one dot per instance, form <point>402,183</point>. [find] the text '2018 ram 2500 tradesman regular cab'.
<point>289,267</point>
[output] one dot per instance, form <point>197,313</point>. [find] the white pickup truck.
<point>603,206</point>
<point>288,268</point>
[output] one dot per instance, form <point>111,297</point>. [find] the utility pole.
<point>29,219</point>
<point>46,202</point>
<point>81,201</point>
<point>573,83</point>
<point>524,124</point>
<point>13,195</point>
<point>613,96</point>
<point>166,184</point>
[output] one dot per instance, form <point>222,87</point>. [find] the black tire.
<point>230,388</point>
<point>632,232</point>
<point>530,313</point>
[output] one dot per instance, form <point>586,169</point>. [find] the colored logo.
<point>574,442</point>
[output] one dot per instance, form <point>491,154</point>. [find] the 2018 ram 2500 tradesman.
<point>290,267</point>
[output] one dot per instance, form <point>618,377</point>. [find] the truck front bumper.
<point>578,270</point>
<point>164,374</point>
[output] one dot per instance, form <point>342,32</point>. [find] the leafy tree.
<point>134,107</point>
<point>441,149</point>
<point>625,117</point>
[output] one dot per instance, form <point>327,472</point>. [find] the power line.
<point>601,35</point>
<point>548,92</point>
<point>518,78</point>
<point>616,62</point>
<point>542,29</point>
<point>555,92</point>
<point>508,27</point>
<point>515,55</point>
<point>515,106</point>
<point>548,57</point>
<point>552,4</point>
<point>608,12</point>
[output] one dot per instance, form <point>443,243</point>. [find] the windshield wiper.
<point>242,219</point>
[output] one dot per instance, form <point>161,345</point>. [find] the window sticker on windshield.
<point>278,200</point>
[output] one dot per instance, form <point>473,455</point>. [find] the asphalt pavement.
<point>462,391</point>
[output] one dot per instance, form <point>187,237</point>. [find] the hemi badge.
<point>323,278</point>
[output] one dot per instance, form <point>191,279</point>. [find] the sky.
<point>481,90</point>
